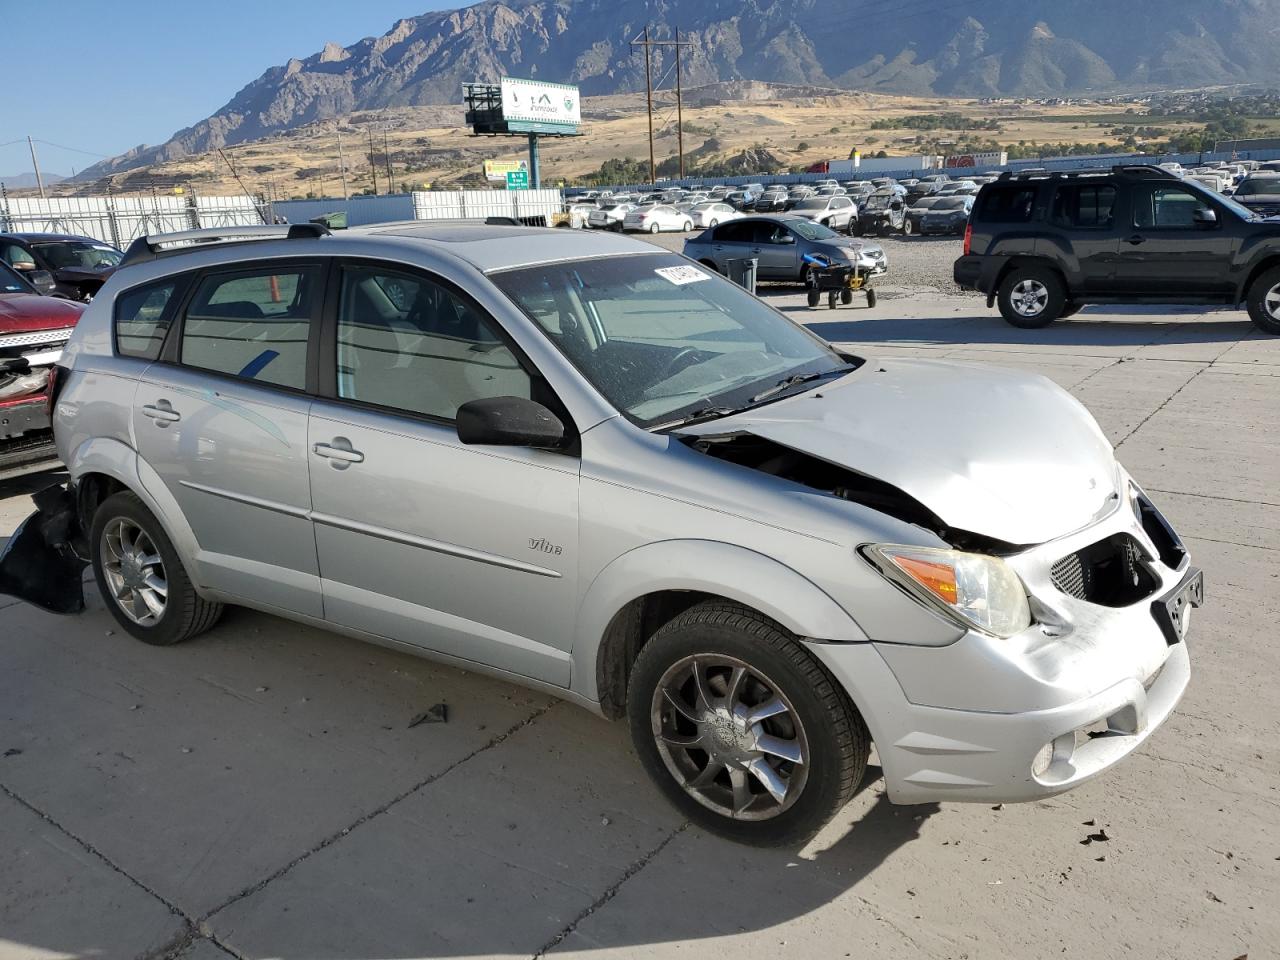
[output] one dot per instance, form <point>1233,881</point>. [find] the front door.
<point>221,428</point>
<point>1168,248</point>
<point>468,551</point>
<point>775,248</point>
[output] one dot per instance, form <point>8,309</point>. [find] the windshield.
<point>662,338</point>
<point>1259,187</point>
<point>811,205</point>
<point>952,203</point>
<point>77,253</point>
<point>812,231</point>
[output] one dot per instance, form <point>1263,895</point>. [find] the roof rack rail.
<point>153,246</point>
<point>1118,170</point>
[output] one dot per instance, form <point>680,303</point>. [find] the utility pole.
<point>642,40</point>
<point>373,164</point>
<point>342,165</point>
<point>386,156</point>
<point>36,164</point>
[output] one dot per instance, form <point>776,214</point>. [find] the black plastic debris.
<point>39,564</point>
<point>1099,837</point>
<point>439,713</point>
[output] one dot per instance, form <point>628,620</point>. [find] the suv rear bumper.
<point>967,272</point>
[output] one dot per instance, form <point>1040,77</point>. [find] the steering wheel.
<point>673,366</point>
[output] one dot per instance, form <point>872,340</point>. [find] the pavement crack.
<point>612,891</point>
<point>1210,496</point>
<point>99,855</point>
<point>371,815</point>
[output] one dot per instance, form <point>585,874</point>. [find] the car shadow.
<point>974,326</point>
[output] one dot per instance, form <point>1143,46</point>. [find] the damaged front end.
<point>44,561</point>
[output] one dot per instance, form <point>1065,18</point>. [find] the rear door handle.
<point>162,413</point>
<point>340,452</point>
<point>1136,240</point>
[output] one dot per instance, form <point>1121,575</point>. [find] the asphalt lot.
<point>258,792</point>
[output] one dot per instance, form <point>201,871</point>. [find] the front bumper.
<point>1087,683</point>
<point>931,754</point>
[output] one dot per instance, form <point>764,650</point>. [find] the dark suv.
<point>1043,245</point>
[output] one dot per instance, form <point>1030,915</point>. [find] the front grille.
<point>1111,573</point>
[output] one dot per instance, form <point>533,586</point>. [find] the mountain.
<point>23,181</point>
<point>994,48</point>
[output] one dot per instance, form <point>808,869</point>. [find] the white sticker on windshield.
<point>682,275</point>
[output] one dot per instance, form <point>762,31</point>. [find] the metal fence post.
<point>111,219</point>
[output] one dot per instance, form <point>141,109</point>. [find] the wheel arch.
<point>1026,261</point>
<point>640,591</point>
<point>1263,265</point>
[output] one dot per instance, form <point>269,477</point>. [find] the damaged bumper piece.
<point>43,562</point>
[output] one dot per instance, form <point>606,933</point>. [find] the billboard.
<point>498,169</point>
<point>546,105</point>
<point>995,158</point>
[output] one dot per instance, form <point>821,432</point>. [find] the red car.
<point>33,330</point>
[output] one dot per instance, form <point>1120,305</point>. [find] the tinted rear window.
<point>1014,204</point>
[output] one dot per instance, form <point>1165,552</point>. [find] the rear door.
<point>465,550</point>
<point>221,430</point>
<point>731,241</point>
<point>1166,252</point>
<point>1083,221</point>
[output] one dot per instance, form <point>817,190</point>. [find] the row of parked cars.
<point>856,207</point>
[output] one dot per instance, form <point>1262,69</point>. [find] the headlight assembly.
<point>979,590</point>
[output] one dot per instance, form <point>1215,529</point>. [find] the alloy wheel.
<point>134,571</point>
<point>1029,297</point>
<point>730,738</point>
<point>1271,302</point>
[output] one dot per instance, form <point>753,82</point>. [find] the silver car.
<point>588,465</point>
<point>779,245</point>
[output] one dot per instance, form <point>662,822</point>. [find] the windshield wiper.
<point>792,381</point>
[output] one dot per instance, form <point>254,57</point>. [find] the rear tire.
<point>1031,297</point>
<point>688,225</point>
<point>813,297</point>
<point>654,228</point>
<point>125,583</point>
<point>871,298</point>
<point>810,717</point>
<point>1263,301</point>
<point>907,228</point>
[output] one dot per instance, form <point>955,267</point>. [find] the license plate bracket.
<point>1171,610</point>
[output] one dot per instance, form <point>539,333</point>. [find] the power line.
<point>87,153</point>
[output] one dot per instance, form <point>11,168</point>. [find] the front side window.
<point>17,256</point>
<point>661,338</point>
<point>410,344</point>
<point>254,326</point>
<point>1166,208</point>
<point>142,320</point>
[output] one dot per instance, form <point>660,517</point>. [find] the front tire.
<point>141,578</point>
<point>1263,301</point>
<point>743,731</point>
<point>908,228</point>
<point>688,225</point>
<point>1031,297</point>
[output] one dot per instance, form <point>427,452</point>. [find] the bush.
<point>802,145</point>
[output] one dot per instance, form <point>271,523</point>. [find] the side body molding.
<point>709,566</point>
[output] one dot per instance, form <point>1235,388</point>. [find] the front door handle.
<point>339,452</point>
<point>1136,240</point>
<point>162,413</point>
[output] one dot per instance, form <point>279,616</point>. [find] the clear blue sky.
<point>103,76</point>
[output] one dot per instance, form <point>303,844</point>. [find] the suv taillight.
<point>968,239</point>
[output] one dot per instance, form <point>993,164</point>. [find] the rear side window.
<point>1009,204</point>
<point>254,326</point>
<point>1085,206</point>
<point>734,233</point>
<point>142,320</point>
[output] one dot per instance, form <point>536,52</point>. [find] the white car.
<point>657,218</point>
<point>609,216</point>
<point>712,213</point>
<point>580,214</point>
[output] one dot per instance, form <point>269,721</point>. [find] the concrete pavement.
<point>257,792</point>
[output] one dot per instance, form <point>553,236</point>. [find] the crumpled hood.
<point>997,452</point>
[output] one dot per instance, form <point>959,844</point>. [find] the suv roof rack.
<point>154,246</point>
<point>1118,170</point>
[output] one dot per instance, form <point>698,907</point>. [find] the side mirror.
<point>42,280</point>
<point>1205,217</point>
<point>509,422</point>
<point>786,238</point>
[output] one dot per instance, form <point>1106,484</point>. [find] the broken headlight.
<point>981,591</point>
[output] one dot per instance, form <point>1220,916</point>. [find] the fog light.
<point>1040,765</point>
